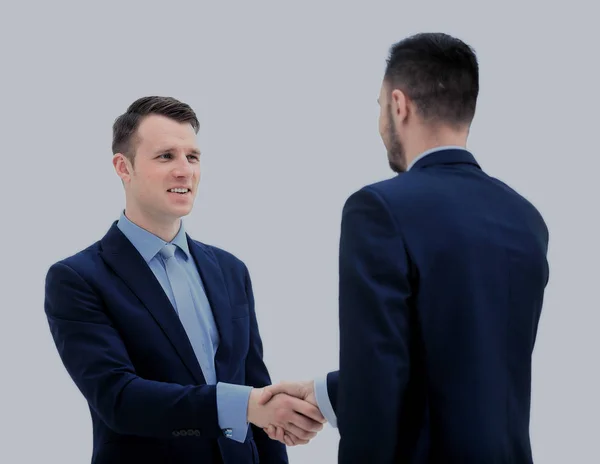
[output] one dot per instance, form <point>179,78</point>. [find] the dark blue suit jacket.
<point>442,277</point>
<point>126,350</point>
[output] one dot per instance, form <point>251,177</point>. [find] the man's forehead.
<point>160,129</point>
<point>157,121</point>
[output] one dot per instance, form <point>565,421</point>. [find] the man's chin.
<point>178,212</point>
<point>182,212</point>
<point>181,207</point>
<point>398,168</point>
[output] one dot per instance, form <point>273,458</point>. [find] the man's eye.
<point>194,157</point>
<point>165,155</point>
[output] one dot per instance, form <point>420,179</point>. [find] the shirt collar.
<point>433,150</point>
<point>148,244</point>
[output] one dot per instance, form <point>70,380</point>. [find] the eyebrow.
<point>193,151</point>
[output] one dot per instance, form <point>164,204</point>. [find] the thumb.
<point>290,388</point>
<point>265,396</point>
<point>295,389</point>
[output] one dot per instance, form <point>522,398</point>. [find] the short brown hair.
<point>126,125</point>
<point>440,73</point>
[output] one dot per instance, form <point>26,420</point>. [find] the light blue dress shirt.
<point>232,400</point>
<point>321,393</point>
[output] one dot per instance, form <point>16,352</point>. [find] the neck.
<point>428,139</point>
<point>166,229</point>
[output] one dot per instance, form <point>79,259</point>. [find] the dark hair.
<point>439,73</point>
<point>126,125</point>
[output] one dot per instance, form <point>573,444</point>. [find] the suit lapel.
<point>122,257</point>
<point>218,297</point>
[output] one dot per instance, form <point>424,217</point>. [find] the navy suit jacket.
<point>123,345</point>
<point>442,277</point>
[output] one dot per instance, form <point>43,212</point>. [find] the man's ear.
<point>400,105</point>
<point>122,166</point>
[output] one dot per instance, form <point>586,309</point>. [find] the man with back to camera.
<point>442,277</point>
<point>159,331</point>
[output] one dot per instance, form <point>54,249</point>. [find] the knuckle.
<point>309,425</point>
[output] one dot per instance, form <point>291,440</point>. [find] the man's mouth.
<point>181,191</point>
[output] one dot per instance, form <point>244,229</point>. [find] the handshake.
<point>287,412</point>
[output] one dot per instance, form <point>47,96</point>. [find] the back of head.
<point>126,125</point>
<point>439,73</point>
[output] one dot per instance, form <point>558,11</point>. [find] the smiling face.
<point>161,183</point>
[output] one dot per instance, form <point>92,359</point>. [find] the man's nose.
<point>183,168</point>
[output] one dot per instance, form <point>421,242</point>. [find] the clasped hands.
<point>287,412</point>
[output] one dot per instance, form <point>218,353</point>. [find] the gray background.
<point>286,93</point>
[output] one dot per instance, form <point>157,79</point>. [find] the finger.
<point>265,396</point>
<point>288,441</point>
<point>291,439</point>
<point>308,410</point>
<point>271,431</point>
<point>293,410</point>
<point>297,441</point>
<point>306,424</point>
<point>299,434</point>
<point>291,388</point>
<point>280,434</point>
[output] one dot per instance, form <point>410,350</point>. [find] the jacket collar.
<point>450,155</point>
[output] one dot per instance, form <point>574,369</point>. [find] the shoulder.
<point>531,213</point>
<point>388,190</point>
<point>82,266</point>
<point>80,260</point>
<point>391,194</point>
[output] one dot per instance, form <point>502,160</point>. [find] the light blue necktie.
<point>190,318</point>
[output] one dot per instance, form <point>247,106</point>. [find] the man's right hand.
<point>302,390</point>
<point>299,418</point>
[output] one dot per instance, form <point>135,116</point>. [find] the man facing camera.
<point>443,270</point>
<point>159,331</point>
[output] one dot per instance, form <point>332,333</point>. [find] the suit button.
<point>197,433</point>
<point>183,433</point>
<point>175,433</point>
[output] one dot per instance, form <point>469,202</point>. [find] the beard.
<point>395,149</point>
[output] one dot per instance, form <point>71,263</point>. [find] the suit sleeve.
<point>257,375</point>
<point>96,358</point>
<point>374,329</point>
